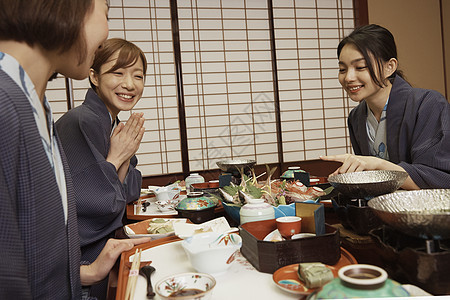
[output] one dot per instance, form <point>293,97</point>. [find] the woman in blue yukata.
<point>395,126</point>
<point>101,150</point>
<point>39,244</point>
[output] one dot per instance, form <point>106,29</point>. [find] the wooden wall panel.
<point>446,34</point>
<point>416,25</point>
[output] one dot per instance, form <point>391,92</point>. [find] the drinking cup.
<point>288,226</point>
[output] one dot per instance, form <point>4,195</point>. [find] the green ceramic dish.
<point>196,203</point>
<point>361,281</point>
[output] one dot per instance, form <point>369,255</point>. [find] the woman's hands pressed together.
<point>125,142</point>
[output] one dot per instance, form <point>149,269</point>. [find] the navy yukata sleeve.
<point>101,197</point>
<point>429,141</point>
<point>99,143</point>
<point>14,282</point>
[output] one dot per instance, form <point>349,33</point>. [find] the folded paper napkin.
<point>185,230</point>
<point>314,274</point>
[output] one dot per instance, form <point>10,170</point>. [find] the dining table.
<point>241,281</point>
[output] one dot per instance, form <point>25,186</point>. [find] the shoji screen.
<point>148,25</point>
<point>227,80</point>
<point>313,105</point>
<point>231,84</point>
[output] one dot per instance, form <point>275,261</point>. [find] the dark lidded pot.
<point>196,207</point>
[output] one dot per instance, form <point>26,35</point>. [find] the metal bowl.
<point>233,165</point>
<point>368,184</point>
<point>421,213</point>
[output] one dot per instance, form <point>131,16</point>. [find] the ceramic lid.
<point>196,203</point>
<point>361,281</point>
<point>290,172</point>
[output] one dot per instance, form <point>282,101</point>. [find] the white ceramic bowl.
<point>166,193</point>
<point>186,286</point>
<point>212,252</point>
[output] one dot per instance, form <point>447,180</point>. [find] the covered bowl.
<point>196,208</point>
<point>212,252</point>
<point>196,202</point>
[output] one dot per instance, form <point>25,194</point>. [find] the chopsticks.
<point>132,277</point>
<point>139,206</point>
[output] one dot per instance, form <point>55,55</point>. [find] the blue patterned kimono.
<point>40,254</point>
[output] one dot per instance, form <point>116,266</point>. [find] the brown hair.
<point>52,24</point>
<point>129,54</point>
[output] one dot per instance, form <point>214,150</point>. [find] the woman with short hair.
<point>39,233</point>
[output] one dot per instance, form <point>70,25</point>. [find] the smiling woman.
<point>39,241</point>
<point>100,150</point>
<point>394,126</point>
<point>117,75</point>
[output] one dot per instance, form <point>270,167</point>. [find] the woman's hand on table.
<point>99,269</point>
<point>355,163</point>
<point>358,163</point>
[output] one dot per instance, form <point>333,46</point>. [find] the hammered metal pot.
<point>368,184</point>
<point>421,213</point>
<point>232,165</point>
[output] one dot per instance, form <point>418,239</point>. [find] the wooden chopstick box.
<point>267,256</point>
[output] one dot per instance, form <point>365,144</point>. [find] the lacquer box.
<point>268,256</point>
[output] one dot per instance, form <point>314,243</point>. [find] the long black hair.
<point>374,42</point>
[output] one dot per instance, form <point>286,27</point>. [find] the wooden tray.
<point>267,256</point>
<point>125,265</point>
<point>241,281</point>
<point>131,215</point>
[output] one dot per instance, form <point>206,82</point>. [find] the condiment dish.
<point>186,286</point>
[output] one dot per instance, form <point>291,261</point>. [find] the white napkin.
<point>185,230</point>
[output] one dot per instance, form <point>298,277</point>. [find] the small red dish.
<point>287,278</point>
